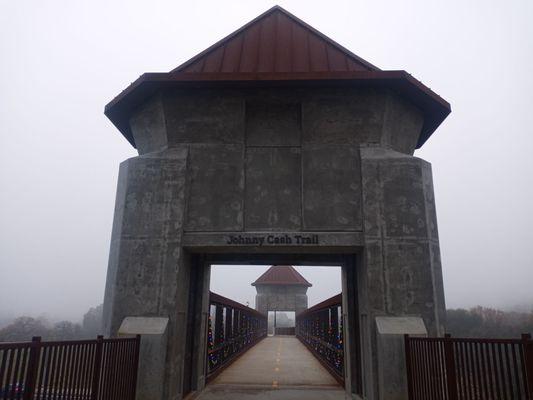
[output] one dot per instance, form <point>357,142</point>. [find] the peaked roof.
<point>275,41</point>
<point>281,275</point>
<point>279,49</point>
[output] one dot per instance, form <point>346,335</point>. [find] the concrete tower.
<point>281,288</point>
<point>275,145</point>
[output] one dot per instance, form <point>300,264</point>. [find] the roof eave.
<point>435,108</point>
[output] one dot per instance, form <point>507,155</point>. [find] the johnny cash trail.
<point>272,240</point>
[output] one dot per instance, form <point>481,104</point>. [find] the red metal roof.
<point>276,41</point>
<point>281,275</point>
<point>277,49</point>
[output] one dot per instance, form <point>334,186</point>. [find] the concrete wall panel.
<point>332,188</point>
<point>372,195</point>
<point>204,116</point>
<point>402,125</point>
<point>375,285</point>
<point>216,192</point>
<point>410,287</point>
<point>273,189</point>
<point>138,279</point>
<point>431,211</point>
<point>438,283</point>
<point>343,116</point>
<point>403,199</point>
<point>273,123</point>
<point>147,208</point>
<point>148,126</point>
